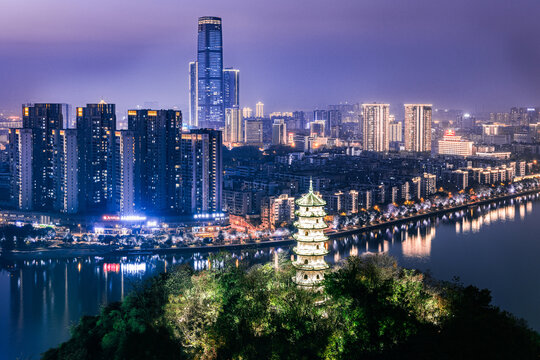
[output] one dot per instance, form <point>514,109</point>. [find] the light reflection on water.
<point>41,299</point>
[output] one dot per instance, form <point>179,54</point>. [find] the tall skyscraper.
<point>157,159</point>
<point>375,127</point>
<point>259,110</point>
<point>231,88</point>
<point>193,95</point>
<point>96,127</point>
<point>202,171</point>
<point>418,127</point>
<point>234,126</point>
<point>210,73</point>
<point>45,122</point>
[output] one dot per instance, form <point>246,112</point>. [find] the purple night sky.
<point>477,55</point>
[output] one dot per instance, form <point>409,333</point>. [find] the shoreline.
<point>108,250</point>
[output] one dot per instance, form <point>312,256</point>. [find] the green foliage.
<point>370,309</point>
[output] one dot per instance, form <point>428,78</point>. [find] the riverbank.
<point>427,214</point>
<point>107,250</point>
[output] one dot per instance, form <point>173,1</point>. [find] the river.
<point>493,246</point>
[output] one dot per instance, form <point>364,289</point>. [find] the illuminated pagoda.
<point>310,247</point>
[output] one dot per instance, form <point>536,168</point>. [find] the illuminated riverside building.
<point>44,121</point>
<point>201,172</point>
<point>67,188</point>
<point>157,159</point>
<point>20,163</point>
<point>451,144</point>
<point>234,127</point>
<point>418,127</point>
<point>96,127</point>
<point>125,169</point>
<point>209,73</point>
<point>310,247</point>
<point>277,210</point>
<point>375,127</point>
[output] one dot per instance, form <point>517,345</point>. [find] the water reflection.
<point>46,297</point>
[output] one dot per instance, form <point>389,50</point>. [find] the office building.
<point>209,73</point>
<point>231,88</point>
<point>253,132</point>
<point>96,127</point>
<point>279,132</point>
<point>201,172</point>
<point>451,144</point>
<point>259,110</point>
<point>418,127</point>
<point>234,126</point>
<point>157,159</point>
<point>375,127</point>
<point>20,163</point>
<point>125,169</point>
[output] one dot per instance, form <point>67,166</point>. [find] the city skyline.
<point>461,66</point>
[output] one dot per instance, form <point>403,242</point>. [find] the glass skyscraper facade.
<point>210,111</point>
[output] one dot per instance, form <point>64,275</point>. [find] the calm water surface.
<point>495,247</point>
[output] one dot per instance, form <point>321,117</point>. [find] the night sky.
<point>476,55</point>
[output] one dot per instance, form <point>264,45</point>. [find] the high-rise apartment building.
<point>418,127</point>
<point>247,112</point>
<point>234,126</point>
<point>279,132</point>
<point>253,132</point>
<point>96,127</point>
<point>193,95</point>
<point>201,171</point>
<point>209,73</point>
<point>333,127</point>
<point>67,182</point>
<point>259,110</point>
<point>231,88</point>
<point>375,127</point>
<point>20,162</point>
<point>157,136</point>
<point>396,131</point>
<point>124,197</point>
<point>45,122</point>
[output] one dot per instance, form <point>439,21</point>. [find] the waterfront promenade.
<point>97,250</point>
